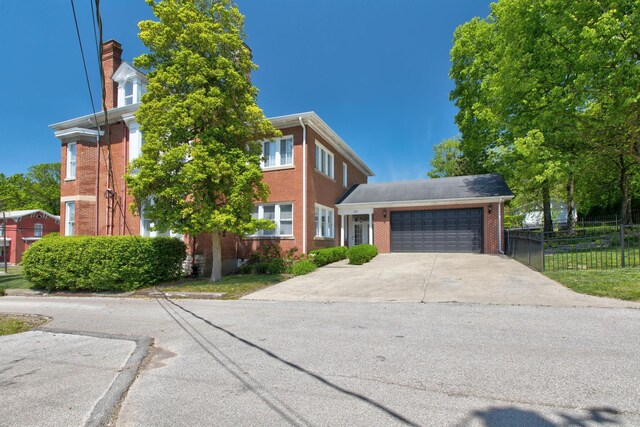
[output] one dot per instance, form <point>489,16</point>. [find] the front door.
<point>359,230</point>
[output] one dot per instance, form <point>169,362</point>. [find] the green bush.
<point>99,264</point>
<point>272,266</point>
<point>304,266</point>
<point>326,256</point>
<point>360,254</point>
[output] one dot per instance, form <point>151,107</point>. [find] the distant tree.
<point>448,159</point>
<point>39,188</point>
<point>199,171</point>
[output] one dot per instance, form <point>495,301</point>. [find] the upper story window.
<point>280,213</point>
<point>131,84</point>
<point>70,219</point>
<point>37,230</point>
<point>128,93</point>
<point>324,160</point>
<point>71,160</point>
<point>344,175</point>
<point>1,230</point>
<point>277,152</point>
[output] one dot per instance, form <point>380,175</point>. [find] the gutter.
<point>304,185</point>
<point>500,231</point>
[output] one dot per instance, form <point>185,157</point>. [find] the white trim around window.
<point>277,152</point>
<point>70,219</point>
<point>345,181</point>
<point>324,160</point>
<point>37,230</point>
<point>324,217</point>
<point>280,213</point>
<point>71,160</point>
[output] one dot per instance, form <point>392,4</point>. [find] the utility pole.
<point>4,238</point>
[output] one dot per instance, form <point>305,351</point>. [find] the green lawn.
<point>13,280</point>
<point>621,283</point>
<point>15,323</point>
<point>234,286</point>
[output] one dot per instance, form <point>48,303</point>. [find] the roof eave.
<point>434,202</point>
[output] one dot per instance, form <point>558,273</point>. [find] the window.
<point>70,220</point>
<point>324,222</point>
<point>71,160</point>
<point>278,152</point>
<point>128,92</point>
<point>37,230</point>
<point>1,230</point>
<point>324,160</point>
<point>344,175</point>
<point>280,213</point>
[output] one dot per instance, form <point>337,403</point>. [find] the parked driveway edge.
<point>106,407</point>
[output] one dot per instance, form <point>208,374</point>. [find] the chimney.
<point>111,60</point>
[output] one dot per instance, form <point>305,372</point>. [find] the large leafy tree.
<point>447,159</point>
<point>39,188</point>
<point>199,171</point>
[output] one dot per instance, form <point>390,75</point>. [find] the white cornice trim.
<point>114,115</point>
<point>78,198</point>
<point>77,133</point>
<point>419,203</point>
<point>312,119</point>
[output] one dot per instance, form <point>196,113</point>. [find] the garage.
<point>462,214</point>
<point>446,230</point>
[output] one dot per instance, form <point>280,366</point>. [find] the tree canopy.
<point>39,188</point>
<point>199,171</point>
<point>544,87</point>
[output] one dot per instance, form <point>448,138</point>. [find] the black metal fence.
<point>595,247</point>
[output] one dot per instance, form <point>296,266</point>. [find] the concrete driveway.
<point>430,277</point>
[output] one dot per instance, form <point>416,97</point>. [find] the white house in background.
<point>534,215</point>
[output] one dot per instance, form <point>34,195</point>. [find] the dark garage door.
<point>451,230</point>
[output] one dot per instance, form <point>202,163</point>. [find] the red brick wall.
<point>111,60</point>
<point>382,226</point>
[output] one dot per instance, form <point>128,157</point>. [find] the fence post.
<point>622,245</point>
<point>542,249</point>
<point>528,247</point>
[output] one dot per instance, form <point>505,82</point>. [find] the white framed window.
<point>128,92</point>
<point>1,230</point>
<point>71,160</point>
<point>70,219</point>
<point>324,222</point>
<point>324,160</point>
<point>277,152</point>
<point>280,213</point>
<point>37,230</point>
<point>344,175</point>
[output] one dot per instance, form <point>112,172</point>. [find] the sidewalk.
<point>65,378</point>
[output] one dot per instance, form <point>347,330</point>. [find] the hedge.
<point>326,256</point>
<point>304,266</point>
<point>360,254</point>
<point>99,264</point>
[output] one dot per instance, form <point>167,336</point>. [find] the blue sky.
<point>376,71</point>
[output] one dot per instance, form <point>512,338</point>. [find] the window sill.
<point>70,179</point>
<point>323,238</point>
<point>324,175</point>
<point>269,238</point>
<point>277,168</point>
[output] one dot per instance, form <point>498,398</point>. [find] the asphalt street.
<point>305,363</point>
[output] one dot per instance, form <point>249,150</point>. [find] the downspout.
<point>500,232</point>
<point>304,186</point>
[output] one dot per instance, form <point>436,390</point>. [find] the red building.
<point>319,193</point>
<point>22,229</point>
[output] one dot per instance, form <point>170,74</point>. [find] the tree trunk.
<point>571,202</point>
<point>216,261</point>
<point>546,208</point>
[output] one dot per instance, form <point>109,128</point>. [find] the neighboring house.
<point>308,170</point>
<point>534,216</point>
<point>22,229</point>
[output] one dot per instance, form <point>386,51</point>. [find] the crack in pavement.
<point>433,266</point>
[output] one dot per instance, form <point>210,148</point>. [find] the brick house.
<point>22,229</point>
<point>308,170</point>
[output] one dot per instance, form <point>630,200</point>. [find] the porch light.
<point>384,213</point>
<point>489,208</point>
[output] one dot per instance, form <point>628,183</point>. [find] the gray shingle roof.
<point>459,187</point>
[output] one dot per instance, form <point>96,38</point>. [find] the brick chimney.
<point>111,60</point>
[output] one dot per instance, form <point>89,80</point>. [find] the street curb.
<point>106,406</point>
